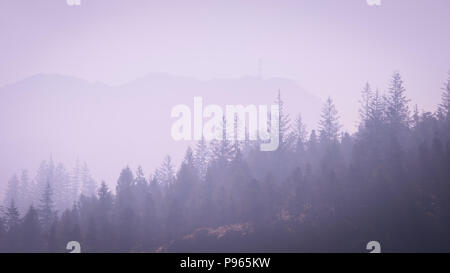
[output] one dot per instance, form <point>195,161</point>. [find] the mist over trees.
<point>322,191</point>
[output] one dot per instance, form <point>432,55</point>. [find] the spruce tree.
<point>397,109</point>
<point>12,191</point>
<point>365,101</point>
<point>201,156</point>
<point>283,123</point>
<point>329,124</point>
<point>12,221</point>
<point>31,237</point>
<point>444,106</point>
<point>47,213</point>
<point>12,216</point>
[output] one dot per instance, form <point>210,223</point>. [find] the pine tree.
<point>104,217</point>
<point>25,194</point>
<point>201,156</point>
<point>2,233</point>
<point>31,240</point>
<point>180,194</point>
<point>376,108</point>
<point>126,218</point>
<point>70,225</point>
<point>283,123</point>
<point>397,110</point>
<point>166,173</point>
<point>88,185</point>
<point>12,191</point>
<point>140,180</point>
<point>329,124</point>
<point>186,177</point>
<point>92,234</point>
<point>47,214</point>
<point>155,190</point>
<point>61,188</point>
<point>51,237</point>
<point>416,116</point>
<point>237,130</point>
<point>141,190</point>
<point>124,189</point>
<point>366,99</point>
<point>44,176</point>
<point>75,182</point>
<point>221,150</point>
<point>312,142</point>
<point>299,134</point>
<point>12,221</point>
<point>12,216</point>
<point>444,106</point>
<point>105,197</point>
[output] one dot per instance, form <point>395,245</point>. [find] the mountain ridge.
<point>113,126</point>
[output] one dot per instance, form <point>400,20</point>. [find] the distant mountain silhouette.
<point>112,126</point>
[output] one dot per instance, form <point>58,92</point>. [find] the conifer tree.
<point>444,106</point>
<point>88,185</point>
<point>365,101</point>
<point>47,214</point>
<point>397,109</point>
<point>12,191</point>
<point>283,123</point>
<point>329,124</point>
<point>201,156</point>
<point>12,216</point>
<point>12,222</point>
<point>31,237</point>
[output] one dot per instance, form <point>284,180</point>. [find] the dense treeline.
<point>320,191</point>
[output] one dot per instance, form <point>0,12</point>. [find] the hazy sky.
<point>328,47</point>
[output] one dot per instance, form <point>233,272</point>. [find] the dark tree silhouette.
<point>389,181</point>
<point>329,124</point>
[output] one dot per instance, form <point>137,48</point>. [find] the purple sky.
<point>328,47</point>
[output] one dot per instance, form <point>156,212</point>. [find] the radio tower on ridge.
<point>260,68</point>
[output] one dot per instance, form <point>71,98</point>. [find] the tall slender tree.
<point>166,173</point>
<point>365,101</point>
<point>25,192</point>
<point>201,156</point>
<point>30,230</point>
<point>284,123</point>
<point>299,135</point>
<point>444,106</point>
<point>329,124</point>
<point>12,221</point>
<point>12,191</point>
<point>75,181</point>
<point>12,216</point>
<point>376,108</point>
<point>222,150</point>
<point>126,216</point>
<point>88,185</point>
<point>47,214</point>
<point>397,109</point>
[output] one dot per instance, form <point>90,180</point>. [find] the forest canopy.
<point>322,190</point>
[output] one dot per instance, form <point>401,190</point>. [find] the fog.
<point>86,94</point>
